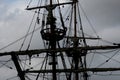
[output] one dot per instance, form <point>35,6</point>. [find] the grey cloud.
<point>103,13</point>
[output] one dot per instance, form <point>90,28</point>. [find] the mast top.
<point>53,5</point>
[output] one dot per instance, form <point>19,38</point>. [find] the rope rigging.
<point>91,25</point>
<point>81,27</point>
<point>5,64</point>
<point>27,32</point>
<point>106,61</point>
<point>19,39</point>
<point>113,59</point>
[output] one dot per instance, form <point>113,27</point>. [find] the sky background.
<point>14,22</point>
<point>103,14</point>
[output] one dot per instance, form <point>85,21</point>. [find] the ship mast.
<point>52,41</point>
<point>75,20</point>
<point>75,42</point>
<point>76,55</point>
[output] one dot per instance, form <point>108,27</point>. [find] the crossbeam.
<point>38,7</point>
<point>92,38</point>
<point>39,51</point>
<point>73,70</point>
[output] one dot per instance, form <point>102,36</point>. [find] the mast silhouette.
<point>53,35</point>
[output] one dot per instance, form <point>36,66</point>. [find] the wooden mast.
<point>75,42</point>
<point>52,41</point>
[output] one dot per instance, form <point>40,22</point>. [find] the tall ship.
<point>68,51</point>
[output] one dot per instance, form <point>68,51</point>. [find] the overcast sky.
<point>105,17</point>
<point>103,14</point>
<point>14,22</point>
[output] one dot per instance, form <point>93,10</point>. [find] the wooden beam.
<point>73,70</point>
<point>92,38</point>
<point>21,74</point>
<point>39,51</point>
<point>38,7</point>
